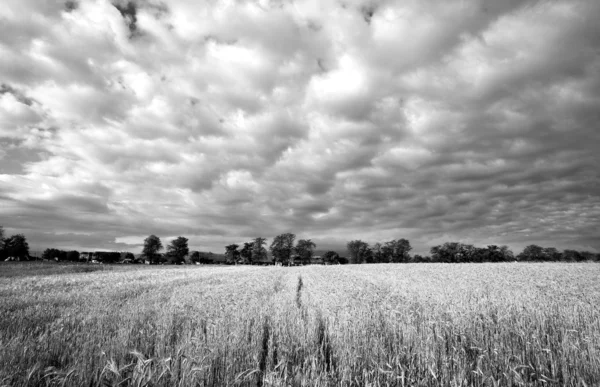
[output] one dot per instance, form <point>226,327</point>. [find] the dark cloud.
<point>128,11</point>
<point>367,12</point>
<point>71,6</point>
<point>18,95</point>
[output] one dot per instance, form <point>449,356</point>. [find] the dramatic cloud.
<point>471,120</point>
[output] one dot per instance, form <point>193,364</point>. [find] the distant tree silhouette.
<point>246,252</point>
<point>357,250</point>
<point>397,250</point>
<point>73,256</point>
<point>152,245</point>
<point>532,253</point>
<point>17,246</point>
<point>259,252</point>
<point>195,257</point>
<point>282,248</point>
<point>305,248</point>
<point>178,249</point>
<point>232,253</point>
<point>1,241</point>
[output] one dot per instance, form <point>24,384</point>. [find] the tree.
<point>368,256</point>
<point>73,256</point>
<point>386,252</point>
<point>552,254</point>
<point>343,260</point>
<point>17,246</point>
<point>232,253</point>
<point>152,245</point>
<point>330,258</point>
<point>453,252</point>
<point>195,257</point>
<point>305,249</point>
<point>259,252</point>
<point>357,250</point>
<point>532,253</point>
<point>477,254</point>
<point>507,254</point>
<point>378,255</point>
<point>282,248</point>
<point>107,256</point>
<point>445,252</point>
<point>178,249</point>
<point>587,255</point>
<point>397,250</point>
<point>466,252</point>
<point>1,240</point>
<point>418,258</point>
<point>572,255</point>
<point>246,252</point>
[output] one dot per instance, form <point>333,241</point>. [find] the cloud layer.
<point>465,120</point>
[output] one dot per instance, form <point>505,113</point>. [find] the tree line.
<point>285,250</point>
<point>396,251</point>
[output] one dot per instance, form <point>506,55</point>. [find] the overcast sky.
<point>473,121</point>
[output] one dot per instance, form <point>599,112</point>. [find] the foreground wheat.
<point>378,325</point>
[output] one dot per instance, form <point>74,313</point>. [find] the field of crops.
<point>377,325</point>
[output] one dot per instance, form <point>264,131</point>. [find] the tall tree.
<point>305,250</point>
<point>357,250</point>
<point>152,245</point>
<point>246,252</point>
<point>232,253</point>
<point>178,249</point>
<point>401,248</point>
<point>259,252</point>
<point>282,248</point>
<point>17,246</point>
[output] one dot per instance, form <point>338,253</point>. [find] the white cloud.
<point>220,121</point>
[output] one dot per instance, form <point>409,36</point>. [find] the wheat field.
<point>360,325</point>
